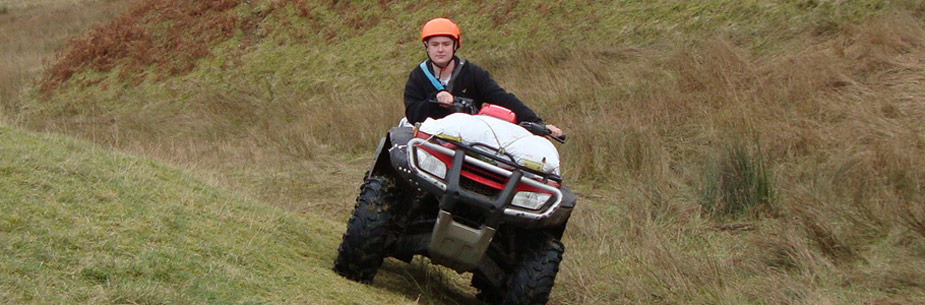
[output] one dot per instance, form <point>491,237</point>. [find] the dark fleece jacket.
<point>472,82</point>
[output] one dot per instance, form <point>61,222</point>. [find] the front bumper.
<point>461,245</point>
<point>451,187</point>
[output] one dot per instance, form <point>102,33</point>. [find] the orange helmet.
<point>441,27</point>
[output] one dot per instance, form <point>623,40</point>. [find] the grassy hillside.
<point>725,152</point>
<point>32,31</point>
<point>82,225</point>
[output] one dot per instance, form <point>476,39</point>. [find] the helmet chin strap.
<point>455,47</point>
<point>439,66</point>
<point>443,67</point>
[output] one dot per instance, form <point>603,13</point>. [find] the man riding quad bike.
<point>476,193</point>
<point>465,185</point>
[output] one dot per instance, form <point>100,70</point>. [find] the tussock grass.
<point>650,92</point>
<point>738,182</point>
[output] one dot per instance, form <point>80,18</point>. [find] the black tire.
<point>532,279</point>
<point>486,291</point>
<point>363,246</point>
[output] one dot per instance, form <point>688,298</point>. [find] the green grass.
<point>739,182</point>
<point>82,225</point>
<point>287,109</point>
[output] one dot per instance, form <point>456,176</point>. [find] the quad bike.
<point>469,206</point>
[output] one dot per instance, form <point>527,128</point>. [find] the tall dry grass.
<point>30,34</point>
<point>840,122</point>
<point>828,130</point>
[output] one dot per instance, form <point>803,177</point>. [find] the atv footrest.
<point>457,245</point>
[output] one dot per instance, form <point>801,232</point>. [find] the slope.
<point>82,225</point>
<point>725,152</point>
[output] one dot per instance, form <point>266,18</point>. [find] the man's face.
<point>440,49</point>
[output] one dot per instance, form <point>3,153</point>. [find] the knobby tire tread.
<point>532,281</point>
<point>362,249</point>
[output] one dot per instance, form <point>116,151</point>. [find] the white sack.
<point>521,144</point>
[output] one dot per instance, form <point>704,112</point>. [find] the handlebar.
<point>541,130</point>
<point>460,104</point>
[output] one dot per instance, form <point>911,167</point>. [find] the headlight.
<point>430,164</point>
<point>530,200</point>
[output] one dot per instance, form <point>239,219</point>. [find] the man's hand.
<point>445,98</point>
<point>554,131</point>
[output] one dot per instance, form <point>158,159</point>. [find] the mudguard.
<point>381,164</point>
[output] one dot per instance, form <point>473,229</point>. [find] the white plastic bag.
<point>528,150</point>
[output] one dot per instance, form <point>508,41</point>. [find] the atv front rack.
<point>514,177</point>
<point>509,161</point>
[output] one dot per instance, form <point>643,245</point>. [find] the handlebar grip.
<point>541,130</point>
<point>561,139</point>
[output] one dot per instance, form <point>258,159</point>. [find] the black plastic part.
<point>401,135</point>
<point>377,167</point>
<point>460,104</point>
<point>541,130</point>
<point>492,208</point>
<point>381,165</point>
